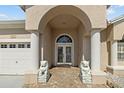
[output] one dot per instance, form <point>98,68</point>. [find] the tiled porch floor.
<point>65,77</point>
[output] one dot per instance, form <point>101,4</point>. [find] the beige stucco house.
<point>63,34</point>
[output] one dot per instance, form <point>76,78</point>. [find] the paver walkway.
<point>65,77</point>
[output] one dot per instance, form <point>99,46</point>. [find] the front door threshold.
<point>64,65</point>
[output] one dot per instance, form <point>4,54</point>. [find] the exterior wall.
<point>104,50</point>
<point>80,43</point>
<point>15,60</point>
<point>118,33</point>
<point>84,45</point>
<point>120,63</point>
<point>109,32</point>
<point>10,31</point>
<point>118,30</point>
<point>87,48</point>
<point>12,24</point>
<point>115,32</point>
<point>96,14</point>
<point>15,36</point>
<point>47,45</point>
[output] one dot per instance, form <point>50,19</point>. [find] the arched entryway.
<point>65,25</point>
<point>64,50</point>
<point>72,20</point>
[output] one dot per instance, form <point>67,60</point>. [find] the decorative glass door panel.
<point>64,54</point>
<point>68,54</point>
<point>60,54</point>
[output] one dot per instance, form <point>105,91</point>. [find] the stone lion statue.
<point>43,73</point>
<point>84,67</point>
<point>85,72</point>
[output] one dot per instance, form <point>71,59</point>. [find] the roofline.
<point>108,6</point>
<point>12,24</point>
<point>24,7</point>
<point>117,19</point>
<point>12,21</point>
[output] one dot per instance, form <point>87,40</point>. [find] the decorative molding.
<point>97,29</point>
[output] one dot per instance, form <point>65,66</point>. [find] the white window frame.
<point>10,44</point>
<point>28,45</point>
<point>3,46</point>
<point>13,45</point>
<point>120,50</point>
<point>20,45</point>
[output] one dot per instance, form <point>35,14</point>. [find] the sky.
<point>11,12</point>
<point>115,11</point>
<point>14,12</point>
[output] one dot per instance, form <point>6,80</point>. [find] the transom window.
<point>21,46</point>
<point>28,45</point>
<point>64,39</point>
<point>3,45</point>
<point>121,50</point>
<point>15,45</point>
<point>12,46</point>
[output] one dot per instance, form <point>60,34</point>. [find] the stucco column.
<point>113,53</point>
<point>42,47</point>
<point>95,50</point>
<point>35,49</point>
<point>86,49</point>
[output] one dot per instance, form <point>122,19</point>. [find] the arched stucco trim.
<point>64,10</point>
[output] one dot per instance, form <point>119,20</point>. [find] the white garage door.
<point>15,57</point>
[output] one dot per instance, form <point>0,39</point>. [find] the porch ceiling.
<point>64,21</point>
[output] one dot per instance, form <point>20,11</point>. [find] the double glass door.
<point>64,54</point>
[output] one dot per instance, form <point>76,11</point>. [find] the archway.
<point>65,10</point>
<point>75,24</point>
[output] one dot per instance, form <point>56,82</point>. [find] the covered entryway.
<point>62,39</point>
<point>64,50</point>
<point>58,20</point>
<point>64,36</point>
<point>81,23</point>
